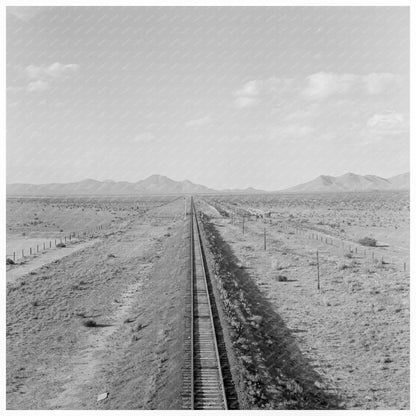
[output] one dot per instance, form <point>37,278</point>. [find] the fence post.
<point>44,246</point>
<point>264,238</point>
<point>37,248</point>
<point>404,266</point>
<point>14,259</point>
<point>23,253</point>
<point>30,249</point>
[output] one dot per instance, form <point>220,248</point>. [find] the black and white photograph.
<point>207,206</point>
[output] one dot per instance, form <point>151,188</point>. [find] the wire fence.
<point>334,245</point>
<point>52,243</point>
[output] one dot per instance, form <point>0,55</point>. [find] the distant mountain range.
<point>162,185</point>
<point>351,182</point>
<point>155,184</point>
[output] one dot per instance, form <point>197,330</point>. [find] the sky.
<point>227,97</point>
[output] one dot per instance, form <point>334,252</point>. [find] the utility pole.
<point>243,224</point>
<point>317,265</point>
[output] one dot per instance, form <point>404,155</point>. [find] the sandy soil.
<point>131,292</point>
<point>354,331</point>
<point>110,316</point>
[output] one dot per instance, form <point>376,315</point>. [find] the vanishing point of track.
<point>205,381</point>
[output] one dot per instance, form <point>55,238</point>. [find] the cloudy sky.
<point>227,97</point>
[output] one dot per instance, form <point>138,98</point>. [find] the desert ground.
<point>100,323</point>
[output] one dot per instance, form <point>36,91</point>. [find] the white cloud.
<point>251,89</point>
<point>378,83</point>
<point>246,102</point>
<point>41,77</point>
<point>37,86</point>
<point>199,122</point>
<point>387,124</point>
<point>34,72</point>
<point>55,70</point>
<point>323,85</point>
<point>24,13</point>
<point>255,91</point>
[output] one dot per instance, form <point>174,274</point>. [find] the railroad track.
<point>207,379</point>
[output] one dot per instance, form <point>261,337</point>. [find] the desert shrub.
<point>348,255</point>
<point>282,278</point>
<point>343,266</point>
<point>60,245</point>
<point>89,323</point>
<point>368,241</point>
<point>9,261</point>
<point>379,264</point>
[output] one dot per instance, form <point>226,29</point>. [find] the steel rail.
<point>211,385</point>
<point>192,308</point>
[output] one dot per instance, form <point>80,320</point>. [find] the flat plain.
<point>108,316</point>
